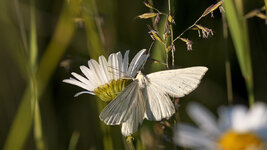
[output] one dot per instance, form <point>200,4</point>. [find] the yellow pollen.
<point>109,91</point>
<point>232,140</point>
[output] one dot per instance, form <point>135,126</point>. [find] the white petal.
<point>239,119</point>
<point>262,132</point>
<point>90,76</point>
<point>84,92</point>
<point>225,117</point>
<point>77,83</point>
<point>203,118</point>
<point>104,68</point>
<point>188,136</point>
<point>120,65</point>
<point>257,116</point>
<point>95,69</point>
<point>137,61</point>
<point>81,78</point>
<point>113,66</point>
<point>125,63</point>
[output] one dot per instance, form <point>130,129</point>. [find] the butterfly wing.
<point>176,83</point>
<point>158,103</point>
<point>128,108</point>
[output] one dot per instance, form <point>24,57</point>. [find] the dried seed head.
<point>261,15</point>
<point>156,21</point>
<point>170,48</point>
<point>221,9</point>
<point>252,13</point>
<point>148,5</point>
<point>166,26</point>
<point>166,35</point>
<point>147,15</point>
<point>212,8</point>
<point>206,32</point>
<point>255,13</point>
<point>171,20</point>
<point>154,35</point>
<point>188,43</point>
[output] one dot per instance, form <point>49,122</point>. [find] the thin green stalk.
<point>33,38</point>
<point>37,124</point>
<point>22,123</point>
<point>21,25</point>
<point>239,33</point>
<point>37,128</point>
<point>95,42</point>
<point>129,142</point>
<point>74,140</point>
<point>227,62</point>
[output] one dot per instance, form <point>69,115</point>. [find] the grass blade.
<point>239,33</point>
<point>22,123</point>
<point>95,49</point>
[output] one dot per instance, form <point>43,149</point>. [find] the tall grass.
<point>22,123</point>
<point>239,33</point>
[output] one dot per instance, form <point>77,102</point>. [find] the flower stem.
<point>129,142</point>
<point>227,62</point>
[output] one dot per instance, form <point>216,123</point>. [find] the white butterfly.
<point>148,97</point>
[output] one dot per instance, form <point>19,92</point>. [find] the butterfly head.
<point>141,79</point>
<point>139,75</point>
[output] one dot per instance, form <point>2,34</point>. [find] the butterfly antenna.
<point>119,71</point>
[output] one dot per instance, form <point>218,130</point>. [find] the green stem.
<point>129,142</point>
<point>227,62</point>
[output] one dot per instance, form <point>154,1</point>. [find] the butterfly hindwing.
<point>158,103</point>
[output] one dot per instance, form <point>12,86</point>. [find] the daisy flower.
<point>108,78</point>
<point>237,128</point>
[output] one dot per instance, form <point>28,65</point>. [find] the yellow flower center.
<point>232,140</point>
<point>109,91</point>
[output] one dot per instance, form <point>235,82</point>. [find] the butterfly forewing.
<point>134,117</point>
<point>178,82</point>
<point>128,104</point>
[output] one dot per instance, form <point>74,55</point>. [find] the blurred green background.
<point>43,41</point>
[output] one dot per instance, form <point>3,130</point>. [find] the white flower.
<point>107,79</point>
<point>236,129</point>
